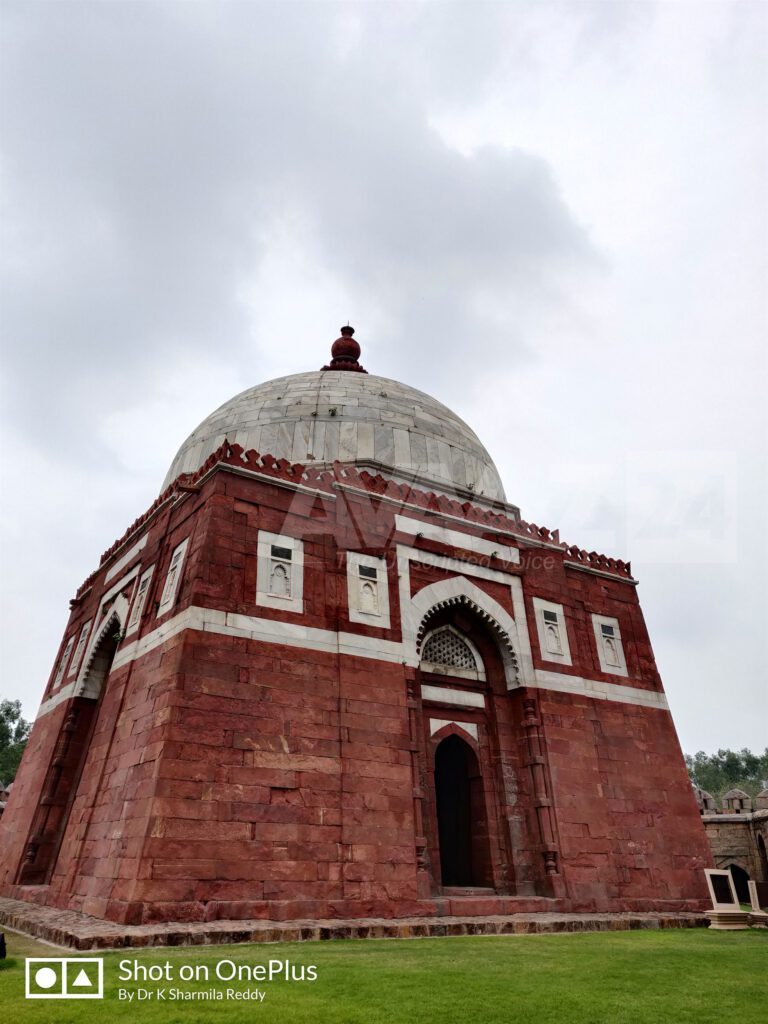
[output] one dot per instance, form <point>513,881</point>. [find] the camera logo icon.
<point>76,977</point>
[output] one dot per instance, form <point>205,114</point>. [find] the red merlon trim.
<point>323,479</point>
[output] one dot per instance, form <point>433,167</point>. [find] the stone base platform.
<point>78,931</point>
<point>728,920</point>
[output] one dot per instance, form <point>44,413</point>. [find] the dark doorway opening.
<point>763,857</point>
<point>461,819</point>
<point>740,880</point>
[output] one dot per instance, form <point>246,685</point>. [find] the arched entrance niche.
<point>441,602</point>
<point>98,662</point>
<point>458,639</point>
<point>461,815</point>
<point>463,688</point>
<point>68,759</point>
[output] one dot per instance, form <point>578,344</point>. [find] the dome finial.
<point>345,352</point>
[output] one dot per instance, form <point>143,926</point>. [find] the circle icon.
<point>45,977</point>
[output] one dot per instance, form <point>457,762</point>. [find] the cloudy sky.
<point>551,216</point>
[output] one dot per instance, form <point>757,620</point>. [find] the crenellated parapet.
<point>325,478</point>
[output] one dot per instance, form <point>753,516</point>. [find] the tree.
<point>728,769</point>
<point>14,731</point>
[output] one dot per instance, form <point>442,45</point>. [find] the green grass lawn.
<point>696,975</point>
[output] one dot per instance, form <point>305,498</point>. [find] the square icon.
<point>77,977</point>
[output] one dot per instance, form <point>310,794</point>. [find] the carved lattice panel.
<point>444,647</point>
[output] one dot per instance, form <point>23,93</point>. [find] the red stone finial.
<point>345,352</point>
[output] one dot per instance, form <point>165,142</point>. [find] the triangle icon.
<point>82,980</point>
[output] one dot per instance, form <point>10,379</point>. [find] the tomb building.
<point>332,673</point>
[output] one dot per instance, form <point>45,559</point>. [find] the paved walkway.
<point>78,931</point>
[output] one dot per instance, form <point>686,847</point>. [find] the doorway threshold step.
<point>457,891</point>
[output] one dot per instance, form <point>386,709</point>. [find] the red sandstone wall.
<point>283,787</point>
<point>119,764</point>
<point>630,833</point>
<point>101,856</point>
<point>581,594</point>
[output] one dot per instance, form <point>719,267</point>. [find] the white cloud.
<point>549,215</point>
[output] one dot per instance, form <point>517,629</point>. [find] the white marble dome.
<point>328,415</point>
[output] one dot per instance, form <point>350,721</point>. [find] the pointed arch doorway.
<point>740,882</point>
<point>461,816</point>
